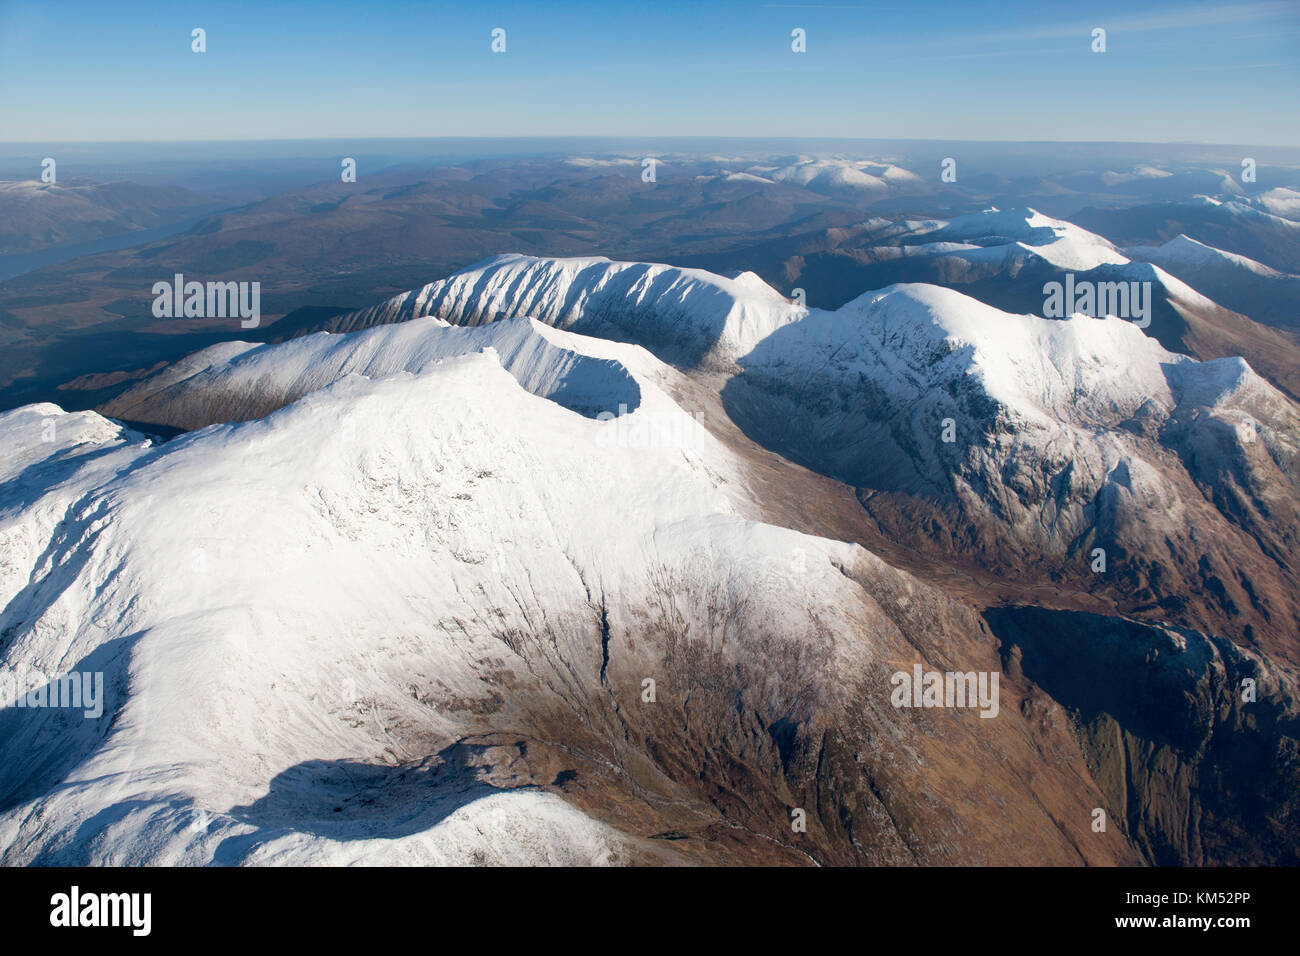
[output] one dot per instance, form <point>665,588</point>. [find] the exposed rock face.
<point>1194,742</point>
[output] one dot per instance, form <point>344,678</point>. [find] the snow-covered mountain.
<point>1011,258</point>
<point>1186,253</point>
<point>1011,244</point>
<point>1022,442</point>
<point>689,316</point>
<point>1238,282</point>
<point>1032,442</point>
<point>511,573</point>
<point>434,616</point>
<point>1280,202</point>
<point>1257,228</point>
<point>418,554</point>
<point>1004,239</point>
<point>838,176</point>
<point>237,381</point>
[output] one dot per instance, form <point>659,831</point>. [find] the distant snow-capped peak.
<point>1186,251</point>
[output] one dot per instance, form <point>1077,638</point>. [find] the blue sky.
<point>1172,72</point>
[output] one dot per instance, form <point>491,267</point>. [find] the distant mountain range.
<point>36,215</point>
<point>335,247</point>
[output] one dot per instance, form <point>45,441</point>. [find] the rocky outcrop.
<point>1194,742</point>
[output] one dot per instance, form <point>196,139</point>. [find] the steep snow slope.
<point>229,605</point>
<point>687,315</point>
<point>236,381</point>
<point>1240,283</point>
<point>1184,252</point>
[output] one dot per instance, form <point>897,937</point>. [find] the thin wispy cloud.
<point>1185,18</point>
<point>1244,66</point>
